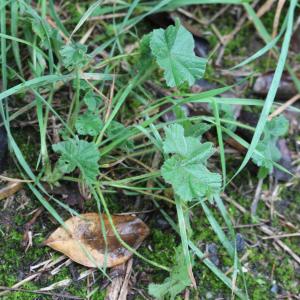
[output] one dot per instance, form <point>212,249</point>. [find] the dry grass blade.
<point>284,106</point>
<point>280,6</point>
<point>265,8</point>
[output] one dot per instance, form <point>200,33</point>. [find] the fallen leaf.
<point>82,239</point>
<point>10,189</point>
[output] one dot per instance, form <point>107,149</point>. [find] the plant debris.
<point>87,242</point>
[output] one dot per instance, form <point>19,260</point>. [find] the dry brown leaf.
<point>10,189</point>
<point>83,240</point>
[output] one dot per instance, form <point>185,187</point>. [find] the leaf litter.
<point>73,153</point>
<point>87,242</point>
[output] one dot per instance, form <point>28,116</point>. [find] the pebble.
<point>212,251</point>
<point>240,243</point>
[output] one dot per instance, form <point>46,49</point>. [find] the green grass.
<point>40,56</point>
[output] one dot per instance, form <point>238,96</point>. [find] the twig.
<point>284,106</point>
<point>218,14</point>
<point>20,283</point>
<point>9,179</point>
<point>256,197</point>
<point>272,199</point>
<point>279,236</point>
<point>279,8</point>
<point>28,226</point>
<point>62,296</point>
<point>245,256</point>
<point>265,8</point>
<point>124,289</point>
<point>113,291</point>
<point>269,232</point>
<point>87,35</point>
<point>107,16</point>
<point>67,281</point>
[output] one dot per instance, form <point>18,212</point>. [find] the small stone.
<point>161,223</point>
<point>202,46</point>
<point>212,251</point>
<point>275,289</point>
<point>240,243</point>
<point>170,115</point>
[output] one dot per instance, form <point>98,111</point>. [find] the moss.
<point>284,274</point>
<point>162,247</point>
<point>27,145</point>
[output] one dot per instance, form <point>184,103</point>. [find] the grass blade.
<point>273,88</point>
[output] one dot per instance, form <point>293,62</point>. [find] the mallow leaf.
<point>179,280</point>
<point>146,59</point>
<point>91,100</point>
<point>186,170</point>
<point>74,55</point>
<point>88,124</point>
<point>75,153</point>
<point>276,127</point>
<point>173,49</point>
<point>267,148</point>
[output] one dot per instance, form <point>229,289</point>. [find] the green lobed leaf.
<point>88,124</point>
<point>227,112</point>
<point>146,58</point>
<point>175,283</point>
<point>197,130</point>
<point>173,49</point>
<point>277,127</point>
<point>75,153</point>
<point>91,100</point>
<point>267,145</point>
<point>186,170</point>
<point>74,55</point>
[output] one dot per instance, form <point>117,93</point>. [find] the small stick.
<point>279,236</point>
<point>269,232</point>
<point>63,296</point>
<point>27,279</point>
<point>245,256</point>
<point>256,197</point>
<point>284,106</point>
<point>105,17</point>
<point>87,35</point>
<point>26,236</point>
<point>124,289</point>
<point>237,205</point>
<point>279,8</point>
<point>9,179</point>
<point>245,226</point>
<point>265,8</point>
<point>272,199</point>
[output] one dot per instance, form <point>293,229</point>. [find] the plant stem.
<point>183,221</point>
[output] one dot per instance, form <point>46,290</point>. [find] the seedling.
<point>267,150</point>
